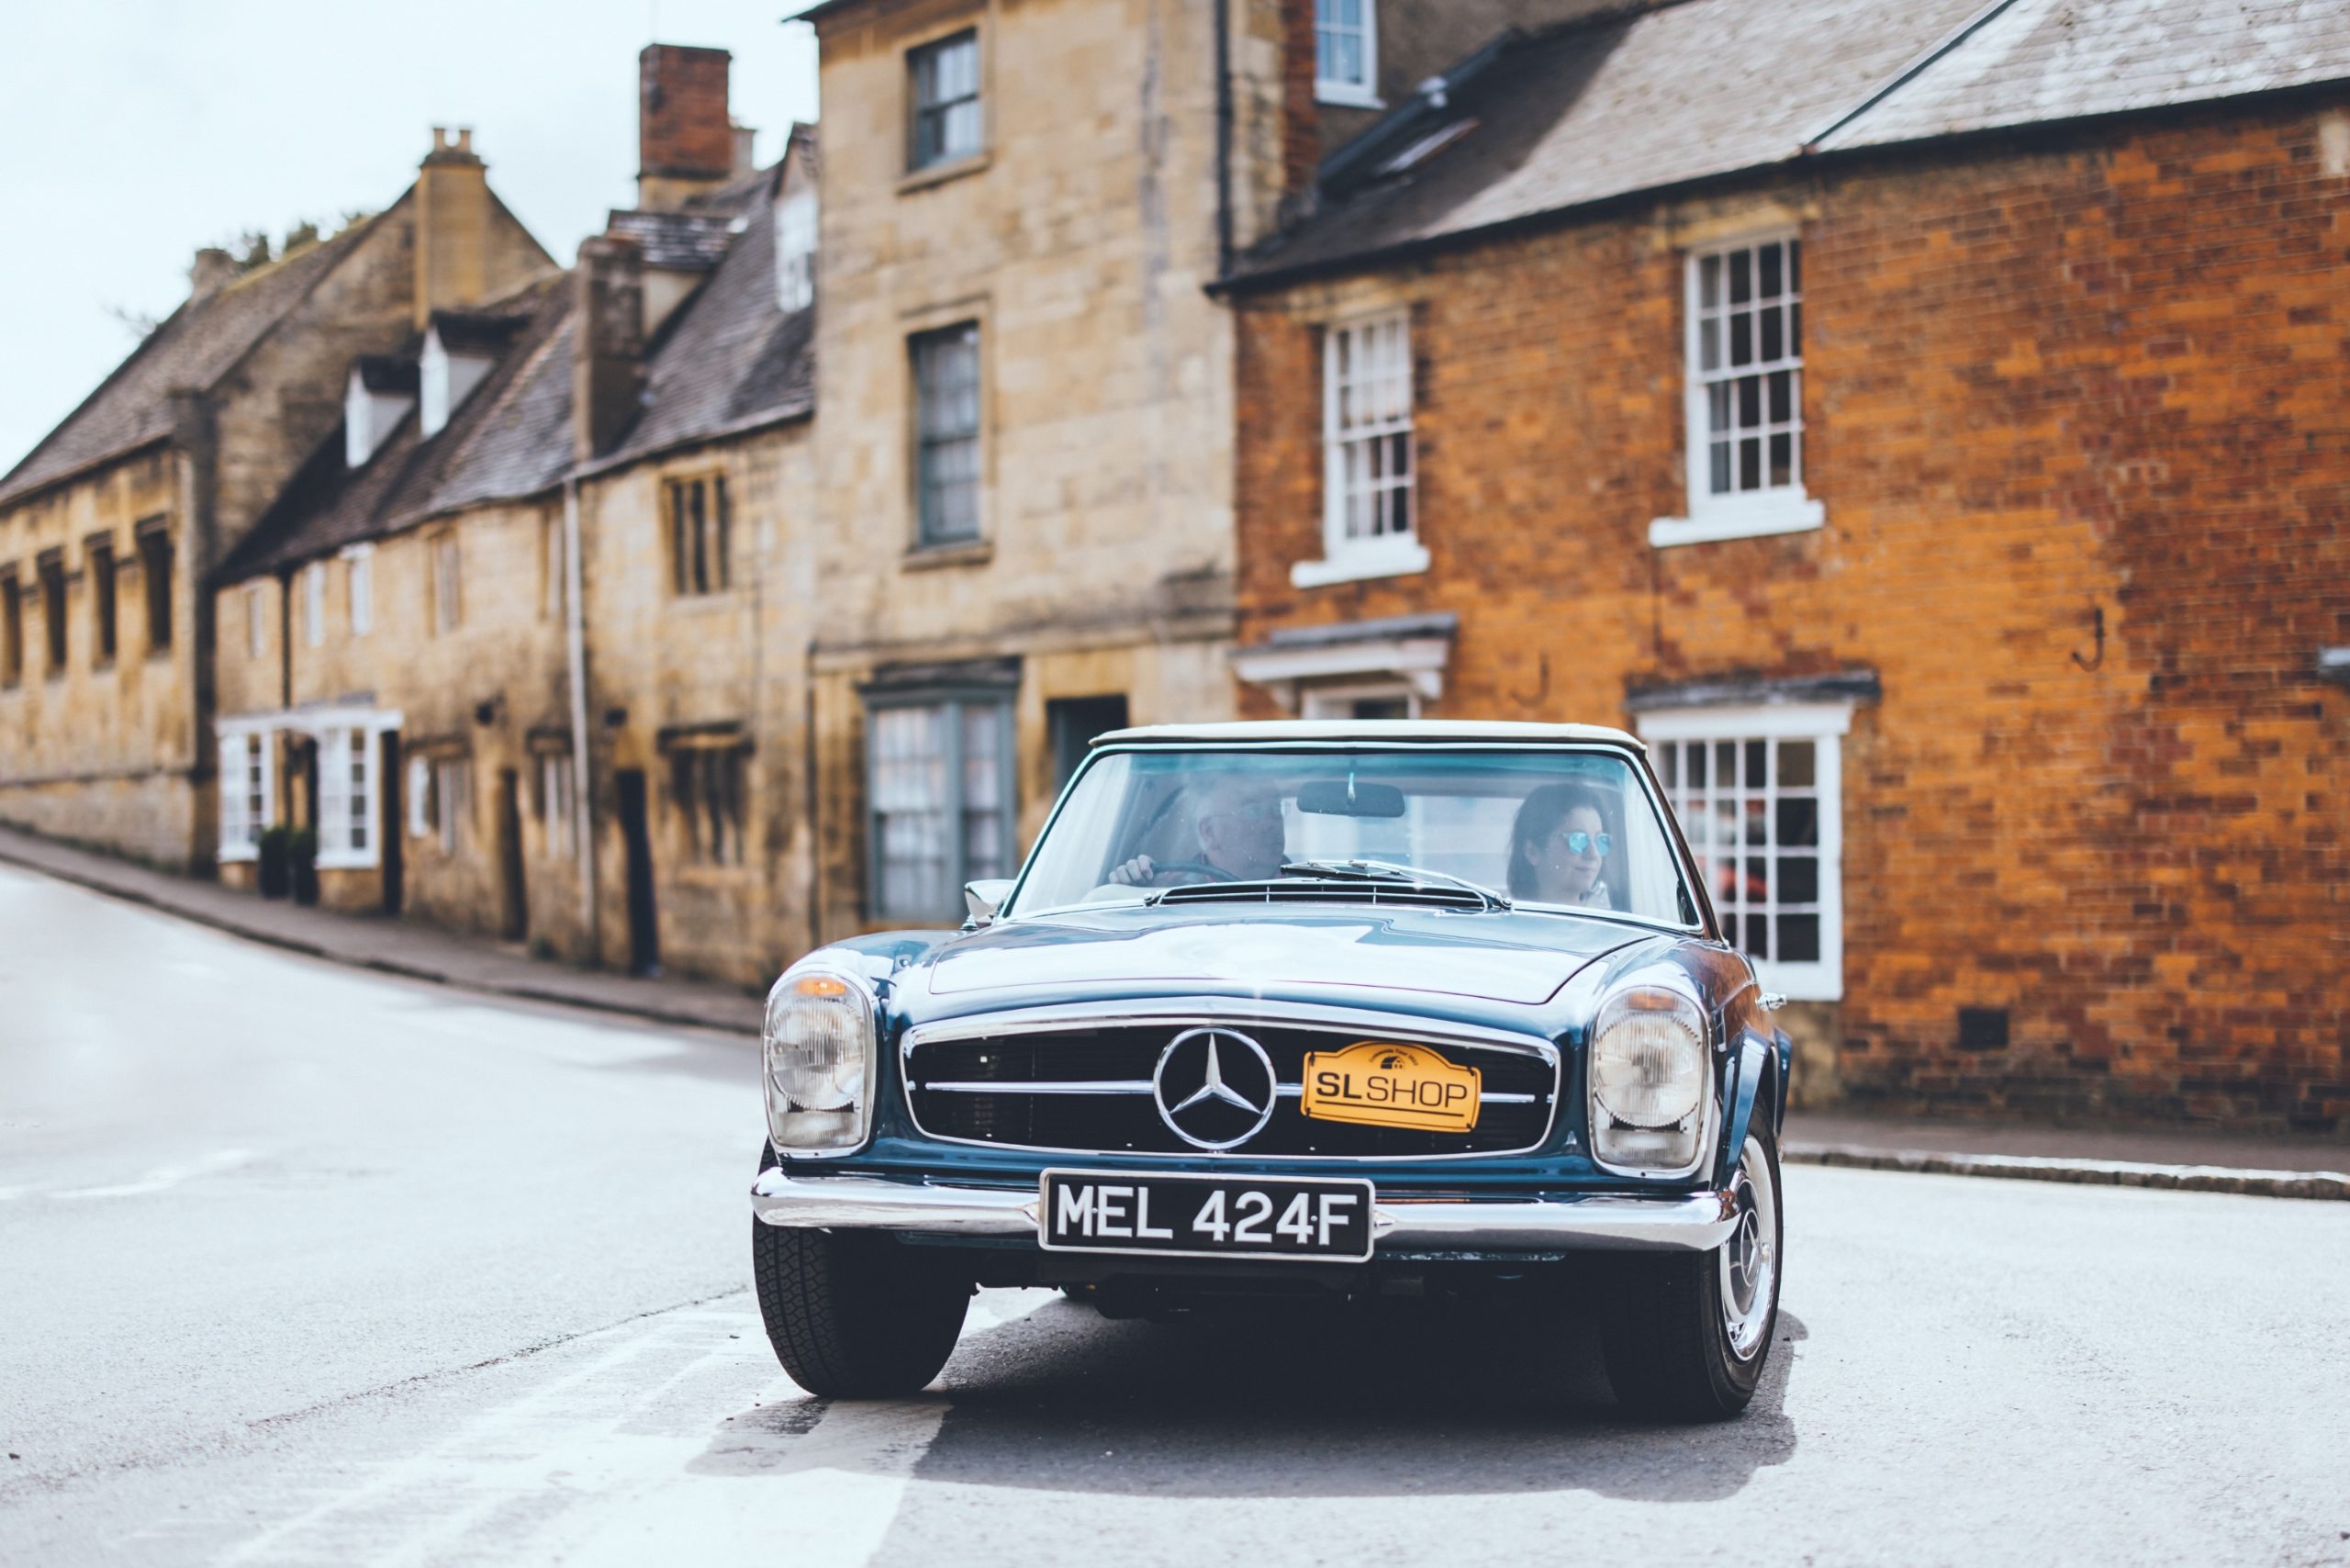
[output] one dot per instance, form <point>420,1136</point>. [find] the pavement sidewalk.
<point>2173,1158</point>
<point>393,947</point>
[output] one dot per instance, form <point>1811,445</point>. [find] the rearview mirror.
<point>1349,798</point>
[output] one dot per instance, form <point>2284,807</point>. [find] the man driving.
<point>1242,839</point>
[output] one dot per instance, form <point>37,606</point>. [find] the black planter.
<point>274,862</point>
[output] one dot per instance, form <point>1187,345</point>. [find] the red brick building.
<point>1928,426</point>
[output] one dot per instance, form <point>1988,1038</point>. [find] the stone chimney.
<point>685,140</point>
<point>608,343</point>
<point>213,268</point>
<point>453,222</point>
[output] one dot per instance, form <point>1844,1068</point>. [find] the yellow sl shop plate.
<point>1382,1085</point>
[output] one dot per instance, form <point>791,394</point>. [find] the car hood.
<point>1499,957</point>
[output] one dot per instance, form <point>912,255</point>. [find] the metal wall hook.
<point>2097,624</point>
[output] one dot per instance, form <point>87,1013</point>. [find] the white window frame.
<point>1783,509</point>
<point>1824,724</point>
<point>795,248</point>
<point>256,621</point>
<point>314,604</point>
<point>360,562</point>
<point>1386,341</point>
<point>247,760</point>
<point>1362,95</point>
<point>953,805</point>
<point>420,795</point>
<point>348,768</point>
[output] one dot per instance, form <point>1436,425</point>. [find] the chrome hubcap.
<point>1750,1261</point>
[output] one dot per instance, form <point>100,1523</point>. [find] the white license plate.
<point>1204,1216</point>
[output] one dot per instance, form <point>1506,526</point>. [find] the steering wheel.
<point>1213,873</point>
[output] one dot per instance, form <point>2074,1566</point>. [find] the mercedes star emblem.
<point>1214,1088</point>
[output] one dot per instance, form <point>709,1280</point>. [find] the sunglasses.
<point>1586,843</point>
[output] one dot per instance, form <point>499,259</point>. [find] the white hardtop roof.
<point>1410,730</point>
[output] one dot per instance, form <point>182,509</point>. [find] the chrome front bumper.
<point>1691,1222</point>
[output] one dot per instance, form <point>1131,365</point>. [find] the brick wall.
<point>2040,383</point>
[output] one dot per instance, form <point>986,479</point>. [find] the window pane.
<point>1741,339</point>
<point>1794,266</point>
<point>1799,939</point>
<point>1768,256</point>
<point>1750,463</point>
<point>1709,343</point>
<point>1782,459</point>
<point>1781,400</point>
<point>1725,765</point>
<point>1798,820</point>
<point>1772,345</point>
<point>1741,278</point>
<point>1709,282</point>
<point>1717,468</point>
<point>1799,879</point>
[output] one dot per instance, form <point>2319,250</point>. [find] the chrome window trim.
<point>1635,755</point>
<point>1214,1011</point>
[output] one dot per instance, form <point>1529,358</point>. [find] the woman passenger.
<point>1559,846</point>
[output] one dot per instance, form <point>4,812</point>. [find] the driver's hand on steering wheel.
<point>1135,873</point>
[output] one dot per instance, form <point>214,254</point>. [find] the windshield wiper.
<point>1388,871</point>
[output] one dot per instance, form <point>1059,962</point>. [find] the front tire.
<point>1687,1337</point>
<point>854,1314</point>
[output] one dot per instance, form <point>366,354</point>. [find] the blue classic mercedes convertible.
<point>1320,1010</point>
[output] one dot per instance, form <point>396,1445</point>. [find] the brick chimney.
<point>608,343</point>
<point>452,221</point>
<point>685,141</point>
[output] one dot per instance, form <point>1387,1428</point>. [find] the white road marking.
<point>164,1176</point>
<point>628,1459</point>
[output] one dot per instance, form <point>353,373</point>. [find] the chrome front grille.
<point>1085,1086</point>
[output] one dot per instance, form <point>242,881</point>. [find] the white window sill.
<point>1801,982</point>
<point>230,854</point>
<point>364,860</point>
<point>1347,95</point>
<point>1787,513</point>
<point>1398,557</point>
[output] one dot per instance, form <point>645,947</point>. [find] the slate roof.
<point>679,241</point>
<point>510,438</point>
<point>728,360</point>
<point>195,347</point>
<point>2039,60</point>
<point>1618,105</point>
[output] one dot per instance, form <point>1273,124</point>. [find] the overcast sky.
<point>132,132</point>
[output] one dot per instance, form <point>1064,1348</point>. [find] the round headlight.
<point>1648,1058</point>
<point>819,1050</point>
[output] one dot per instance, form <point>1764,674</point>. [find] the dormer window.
<point>1346,53</point>
<point>795,246</point>
<point>377,397</point>
<point>447,378</point>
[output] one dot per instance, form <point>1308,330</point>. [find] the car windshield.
<point>1552,828</point>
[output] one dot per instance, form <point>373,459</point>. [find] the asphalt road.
<point>300,1265</point>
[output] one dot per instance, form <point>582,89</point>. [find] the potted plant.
<point>302,850</point>
<point>274,863</point>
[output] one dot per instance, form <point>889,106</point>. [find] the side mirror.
<point>984,897</point>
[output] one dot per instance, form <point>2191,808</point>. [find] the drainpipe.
<point>583,794</point>
<point>1223,139</point>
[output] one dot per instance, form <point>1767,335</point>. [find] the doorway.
<point>515,902</point>
<point>392,835</point>
<point>636,833</point>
